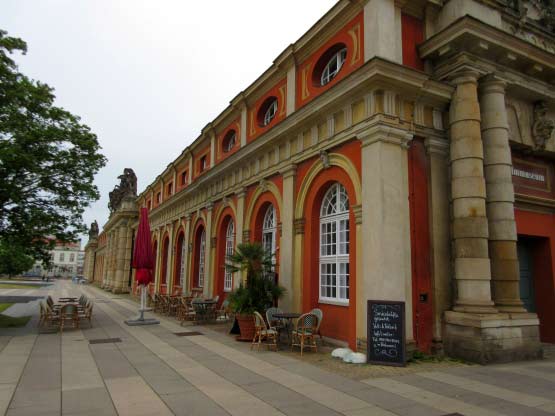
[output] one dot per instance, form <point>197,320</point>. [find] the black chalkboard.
<point>386,333</point>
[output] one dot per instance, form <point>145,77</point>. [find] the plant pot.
<point>246,326</point>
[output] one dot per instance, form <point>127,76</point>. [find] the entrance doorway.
<point>526,264</point>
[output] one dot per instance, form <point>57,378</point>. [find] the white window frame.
<point>62,257</point>
<point>201,258</point>
<point>269,229</point>
<point>337,60</point>
<point>339,242</point>
<point>229,243</point>
<point>230,142</point>
<point>271,112</point>
<point>182,265</point>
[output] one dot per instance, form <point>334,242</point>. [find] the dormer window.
<point>267,111</point>
<point>229,141</point>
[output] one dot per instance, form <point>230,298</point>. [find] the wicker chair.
<point>47,315</point>
<point>173,304</point>
<point>320,315</point>
<point>69,315</point>
<point>303,334</point>
<point>262,332</point>
<point>185,311</point>
<point>158,304</point>
<point>87,313</point>
<point>224,313</point>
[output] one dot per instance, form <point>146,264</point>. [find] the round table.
<point>287,316</point>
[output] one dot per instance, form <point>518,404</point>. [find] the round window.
<point>229,141</point>
<point>329,64</point>
<point>267,111</point>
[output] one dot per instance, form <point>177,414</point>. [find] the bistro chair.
<point>262,333</point>
<point>173,303</point>
<point>224,313</point>
<point>320,315</point>
<point>87,313</point>
<point>47,315</point>
<point>69,315</point>
<point>303,334</point>
<point>275,323</point>
<point>185,311</point>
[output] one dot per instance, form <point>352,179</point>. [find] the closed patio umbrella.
<point>143,263</point>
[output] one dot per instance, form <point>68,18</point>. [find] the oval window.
<point>268,111</point>
<point>329,64</point>
<point>229,141</point>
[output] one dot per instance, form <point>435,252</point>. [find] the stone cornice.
<point>473,36</point>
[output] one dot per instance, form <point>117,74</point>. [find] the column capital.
<point>288,171</point>
<point>465,77</point>
<point>491,83</point>
<point>357,210</point>
<point>386,134</point>
<point>241,192</point>
<point>299,225</point>
<point>435,145</point>
<point>210,206</point>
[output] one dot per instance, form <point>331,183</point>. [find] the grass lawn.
<point>8,321</point>
<point>18,286</point>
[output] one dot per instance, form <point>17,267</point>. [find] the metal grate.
<point>188,334</point>
<point>104,340</point>
<point>454,414</point>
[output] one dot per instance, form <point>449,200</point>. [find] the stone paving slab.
<point>153,371</point>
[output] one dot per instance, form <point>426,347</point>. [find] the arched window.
<point>202,250</point>
<point>334,245</point>
<point>270,112</point>
<point>229,141</point>
<point>269,227</point>
<point>229,240</point>
<point>333,66</point>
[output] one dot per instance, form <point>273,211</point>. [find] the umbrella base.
<point>144,321</point>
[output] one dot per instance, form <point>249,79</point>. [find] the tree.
<point>48,160</point>
<point>13,260</point>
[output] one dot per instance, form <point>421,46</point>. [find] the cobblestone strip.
<point>320,393</point>
<point>491,390</point>
<point>232,398</point>
<point>13,359</point>
<point>446,404</point>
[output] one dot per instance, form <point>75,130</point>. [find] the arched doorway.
<point>225,247</point>
<point>199,257</point>
<point>179,265</point>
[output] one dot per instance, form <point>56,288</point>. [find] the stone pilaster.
<point>170,270</point>
<point>208,278</point>
<point>385,247</point>
<point>468,193</point>
<point>120,284</point>
<point>500,196</point>
<point>286,247</point>
<point>240,225</point>
<point>438,154</point>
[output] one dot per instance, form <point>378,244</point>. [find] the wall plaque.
<point>386,333</point>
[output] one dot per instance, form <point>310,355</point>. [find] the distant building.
<point>67,261</point>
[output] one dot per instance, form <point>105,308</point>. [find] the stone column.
<point>127,270</point>
<point>158,262</point>
<point>386,255</point>
<point>297,280</point>
<point>170,271</point>
<point>468,193</point>
<point>505,271</point>
<point>286,245</point>
<point>110,261</point>
<point>208,280</point>
<point>119,284</point>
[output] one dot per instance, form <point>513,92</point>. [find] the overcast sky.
<point>148,75</point>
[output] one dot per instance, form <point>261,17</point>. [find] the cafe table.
<point>288,317</point>
<point>204,309</point>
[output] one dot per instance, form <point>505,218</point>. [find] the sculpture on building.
<point>126,188</point>
<point>543,127</point>
<point>93,231</point>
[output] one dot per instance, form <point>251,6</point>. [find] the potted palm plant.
<point>258,292</point>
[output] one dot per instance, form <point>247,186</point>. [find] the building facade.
<point>65,262</point>
<point>399,150</point>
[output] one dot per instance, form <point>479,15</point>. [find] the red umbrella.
<point>143,257</point>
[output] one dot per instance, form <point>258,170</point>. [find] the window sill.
<point>334,302</point>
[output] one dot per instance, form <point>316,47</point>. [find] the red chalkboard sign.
<point>386,333</point>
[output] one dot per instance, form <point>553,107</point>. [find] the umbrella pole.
<point>143,306</point>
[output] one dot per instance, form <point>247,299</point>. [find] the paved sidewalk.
<point>152,371</point>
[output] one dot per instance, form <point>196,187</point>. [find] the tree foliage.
<point>13,260</point>
<point>48,160</point>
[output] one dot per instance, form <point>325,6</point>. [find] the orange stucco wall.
<point>254,129</point>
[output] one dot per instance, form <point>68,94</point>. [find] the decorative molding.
<point>299,225</point>
<point>436,146</point>
<point>357,211</point>
<point>542,128</point>
<point>325,158</point>
<point>386,134</point>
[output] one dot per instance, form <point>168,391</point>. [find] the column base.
<point>492,338</point>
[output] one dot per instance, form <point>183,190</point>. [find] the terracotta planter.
<point>246,326</point>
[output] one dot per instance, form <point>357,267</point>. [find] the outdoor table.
<point>68,300</point>
<point>204,309</point>
<point>287,316</point>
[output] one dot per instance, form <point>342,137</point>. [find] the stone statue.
<point>93,231</point>
<point>126,188</point>
<point>542,128</point>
